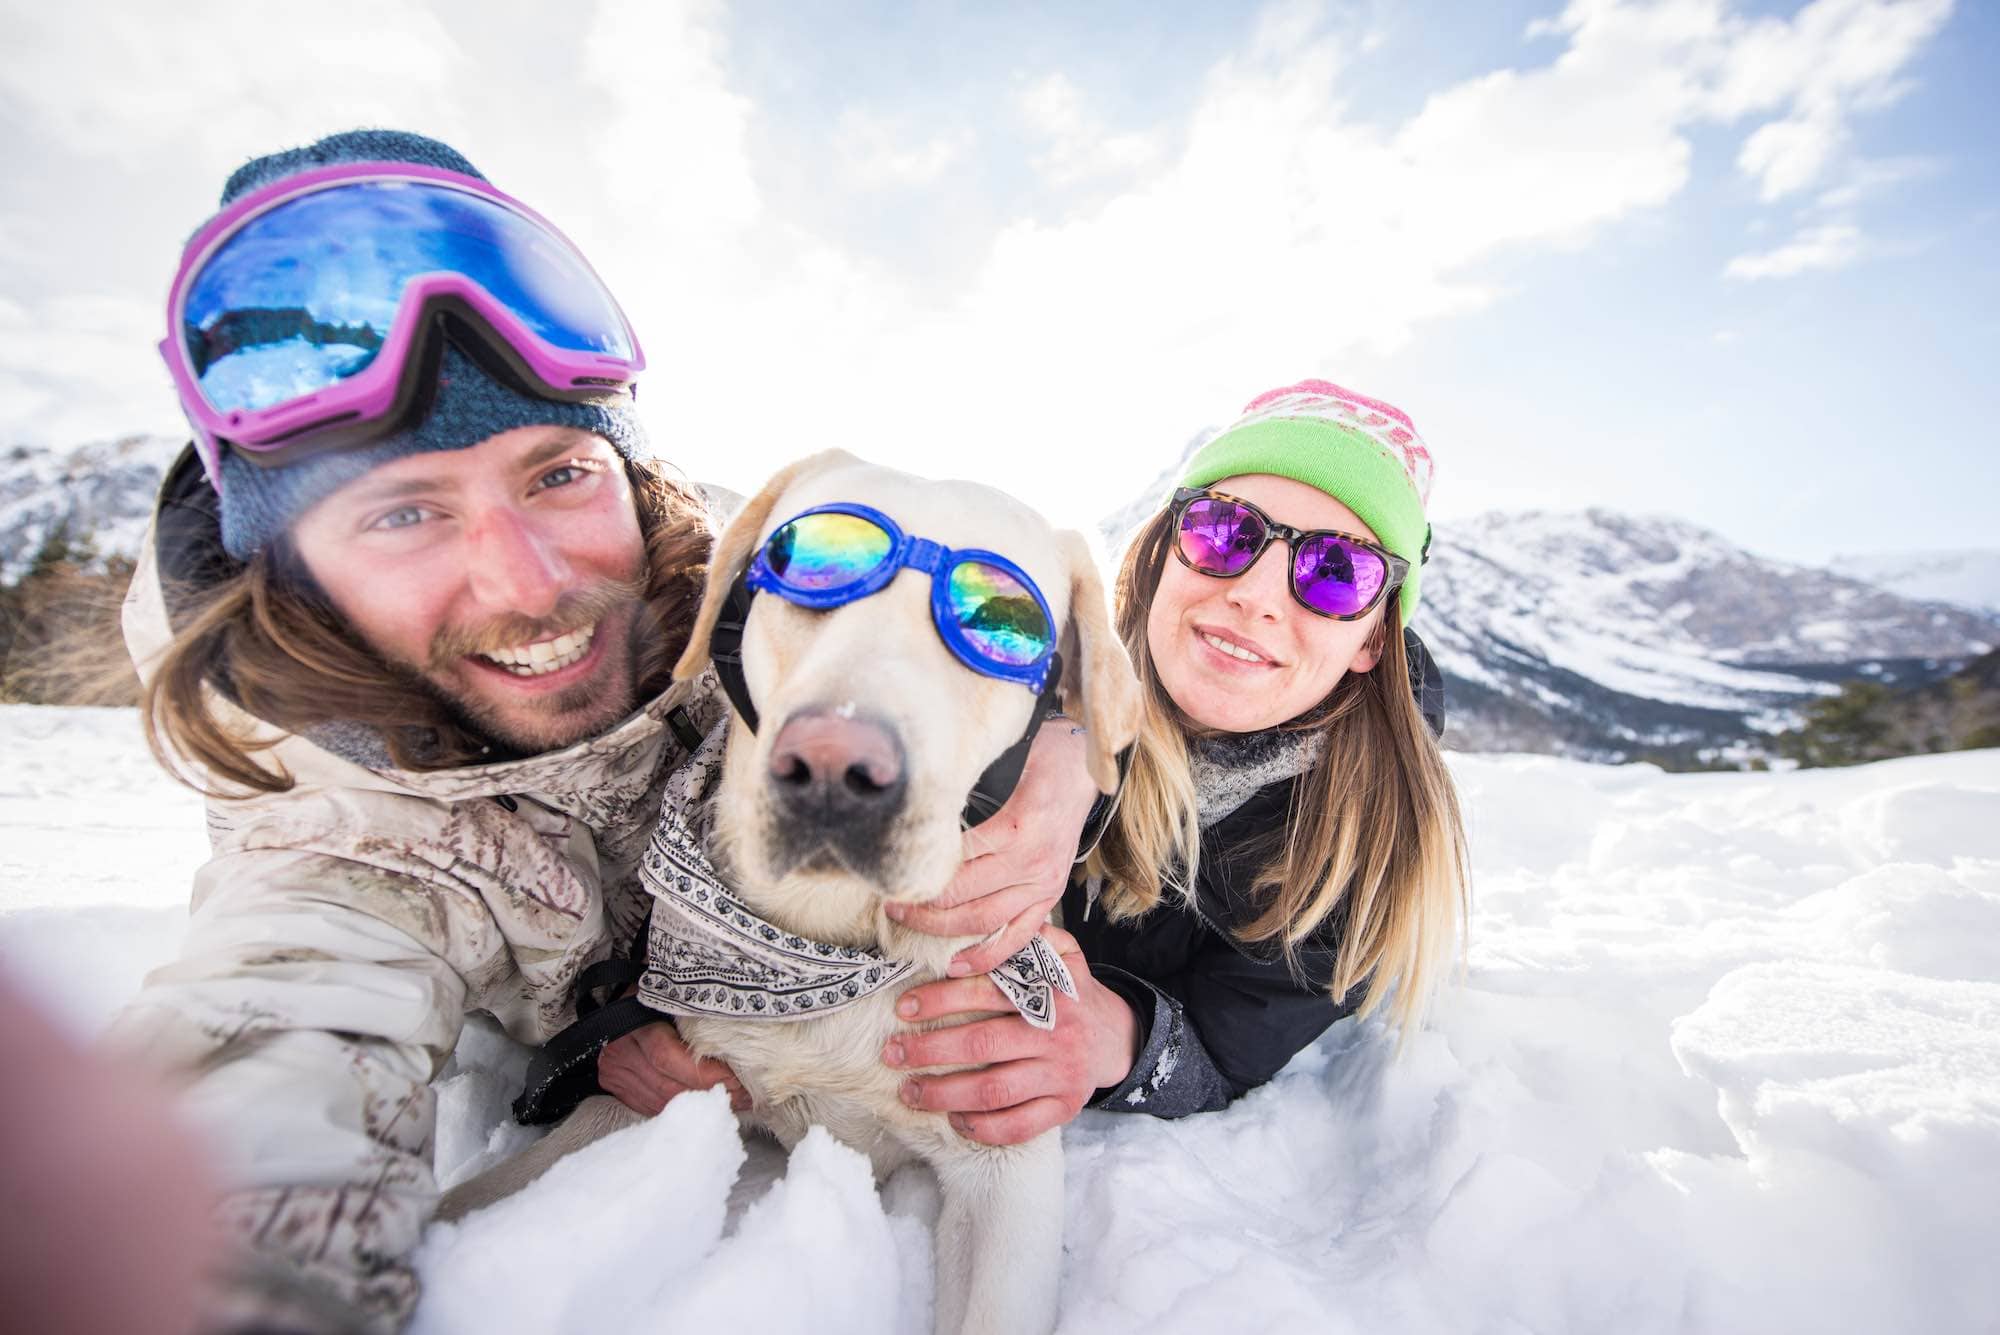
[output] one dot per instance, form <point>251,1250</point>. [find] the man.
<point>407,613</point>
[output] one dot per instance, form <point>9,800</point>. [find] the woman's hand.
<point>1030,1079</point>
<point>647,1067</point>
<point>1017,861</point>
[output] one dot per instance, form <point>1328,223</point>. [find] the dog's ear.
<point>1098,683</point>
<point>732,553</point>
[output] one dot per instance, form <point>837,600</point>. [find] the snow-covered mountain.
<point>1610,635</point>
<point>101,493</point>
<point>1597,634</point>
<point>1970,578</point>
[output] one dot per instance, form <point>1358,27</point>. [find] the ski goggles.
<point>298,316</point>
<point>987,610</point>
<point>1332,574</point>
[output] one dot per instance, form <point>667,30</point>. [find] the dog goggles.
<point>1333,574</point>
<point>987,610</point>
<point>297,315</point>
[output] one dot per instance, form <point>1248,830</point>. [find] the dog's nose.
<point>840,776</point>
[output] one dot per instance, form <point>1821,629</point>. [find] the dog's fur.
<point>999,1245</point>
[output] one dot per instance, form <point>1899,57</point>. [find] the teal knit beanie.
<point>1360,451</point>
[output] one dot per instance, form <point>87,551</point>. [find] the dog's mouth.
<point>797,852</point>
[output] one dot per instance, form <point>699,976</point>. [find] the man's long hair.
<point>1374,841</point>
<point>268,641</point>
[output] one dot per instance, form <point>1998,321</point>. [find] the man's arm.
<point>314,1000</point>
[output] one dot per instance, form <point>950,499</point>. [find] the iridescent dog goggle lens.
<point>987,610</point>
<point>297,313</point>
<point>1334,574</point>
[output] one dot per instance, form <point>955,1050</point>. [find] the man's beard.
<point>559,719</point>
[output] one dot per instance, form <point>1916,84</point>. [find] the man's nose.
<point>513,565</point>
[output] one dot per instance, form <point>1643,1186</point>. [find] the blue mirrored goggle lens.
<point>818,553</point>
<point>303,296</point>
<point>1000,618</point>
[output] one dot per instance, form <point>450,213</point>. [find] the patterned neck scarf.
<point>707,953</point>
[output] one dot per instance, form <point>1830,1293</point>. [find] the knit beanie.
<point>259,502</point>
<point>1362,452</point>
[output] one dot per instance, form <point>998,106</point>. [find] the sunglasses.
<point>987,610</point>
<point>1333,574</point>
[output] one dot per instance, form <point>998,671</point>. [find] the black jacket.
<point>1219,1017</point>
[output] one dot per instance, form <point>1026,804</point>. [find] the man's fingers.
<point>653,1062</point>
<point>988,954</point>
<point>951,996</point>
<point>1015,1125</point>
<point>1001,1039</point>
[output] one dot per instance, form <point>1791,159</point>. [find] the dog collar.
<point>707,953</point>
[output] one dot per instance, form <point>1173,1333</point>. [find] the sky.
<point>1738,263</point>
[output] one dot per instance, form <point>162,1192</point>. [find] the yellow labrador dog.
<point>871,727</point>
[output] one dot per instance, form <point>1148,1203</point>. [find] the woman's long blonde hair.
<point>270,642</point>
<point>1374,845</point>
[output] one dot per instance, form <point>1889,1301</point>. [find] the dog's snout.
<point>840,778</point>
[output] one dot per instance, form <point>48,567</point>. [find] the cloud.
<point>1259,232</point>
<point>227,81</point>
<point>1076,145</point>
<point>876,152</point>
<point>1828,246</point>
<point>1830,59</point>
<point>81,368</point>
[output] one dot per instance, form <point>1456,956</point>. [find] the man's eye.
<point>568,474</point>
<point>403,518</point>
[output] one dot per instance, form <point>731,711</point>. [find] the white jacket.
<point>339,935</point>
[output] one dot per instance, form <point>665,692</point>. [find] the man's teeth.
<point>536,660</point>
<point>1233,650</point>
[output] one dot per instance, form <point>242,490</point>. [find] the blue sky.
<point>1735,263</point>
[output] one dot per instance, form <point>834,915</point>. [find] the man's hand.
<point>1031,1079</point>
<point>1017,861</point>
<point>649,1066</point>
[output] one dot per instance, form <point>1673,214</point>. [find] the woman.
<point>1287,797</point>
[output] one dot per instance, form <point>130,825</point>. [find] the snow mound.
<point>1726,1057</point>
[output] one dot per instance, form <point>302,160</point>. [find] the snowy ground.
<point>1727,1058</point>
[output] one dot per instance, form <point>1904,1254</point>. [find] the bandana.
<point>708,954</point>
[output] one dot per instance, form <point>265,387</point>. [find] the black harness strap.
<point>564,1073</point>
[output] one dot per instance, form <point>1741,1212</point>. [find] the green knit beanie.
<point>1362,452</point>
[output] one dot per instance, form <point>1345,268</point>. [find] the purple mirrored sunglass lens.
<point>1335,576</point>
<point>1220,536</point>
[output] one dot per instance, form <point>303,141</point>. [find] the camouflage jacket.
<point>340,933</point>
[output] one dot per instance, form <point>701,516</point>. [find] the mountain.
<point>99,494</point>
<point>1970,578</point>
<point>1597,635</point>
<point>1611,636</point>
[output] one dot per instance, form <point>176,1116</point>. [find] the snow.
<point>1726,1057</point>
